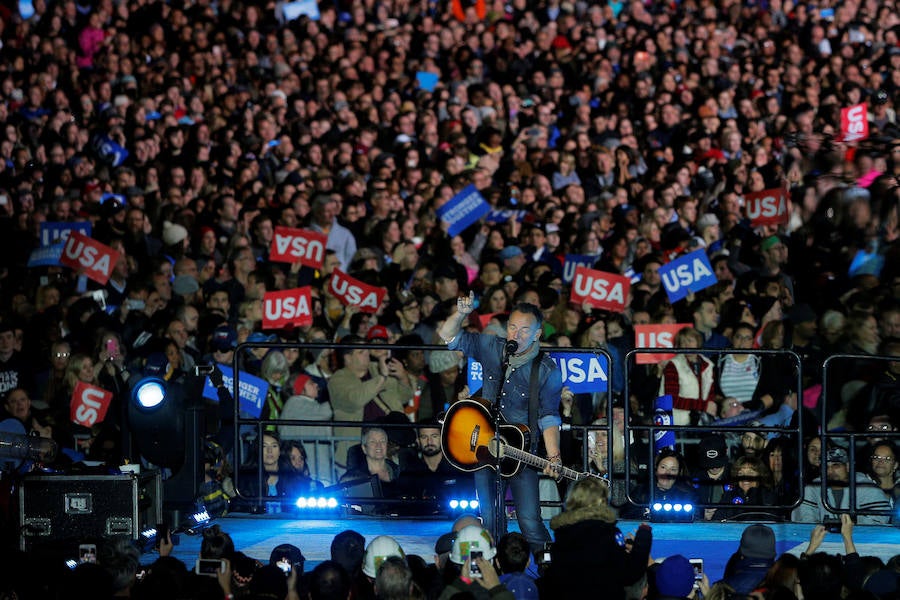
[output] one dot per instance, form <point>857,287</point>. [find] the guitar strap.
<point>533,400</point>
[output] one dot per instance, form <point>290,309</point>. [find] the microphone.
<point>510,348</point>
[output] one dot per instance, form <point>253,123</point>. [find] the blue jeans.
<point>524,487</point>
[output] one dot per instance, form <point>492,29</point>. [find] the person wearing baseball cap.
<point>711,478</point>
<point>756,554</point>
<point>869,498</point>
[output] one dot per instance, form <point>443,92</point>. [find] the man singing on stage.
<point>529,374</point>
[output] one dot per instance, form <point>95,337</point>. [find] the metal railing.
<point>583,431</point>
<point>830,371</point>
<point>653,428</point>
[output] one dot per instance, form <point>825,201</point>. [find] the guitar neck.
<point>539,463</point>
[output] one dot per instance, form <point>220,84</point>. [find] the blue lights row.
<point>312,502</point>
<point>668,507</point>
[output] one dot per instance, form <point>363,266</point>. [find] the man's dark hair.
<point>393,580</point>
<point>745,326</point>
<point>821,576</point>
<point>530,309</point>
<point>513,553</point>
<point>329,581</point>
<point>411,339</point>
<point>348,548</point>
<point>890,346</point>
<point>347,343</point>
<point>697,304</point>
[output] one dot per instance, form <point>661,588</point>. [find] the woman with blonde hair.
<point>599,456</point>
<point>82,369</point>
<point>587,554</point>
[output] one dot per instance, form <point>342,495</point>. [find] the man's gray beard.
<point>430,451</point>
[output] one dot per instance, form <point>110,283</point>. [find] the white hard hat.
<point>379,549</point>
<point>472,537</point>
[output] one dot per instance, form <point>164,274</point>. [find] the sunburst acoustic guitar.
<point>467,439</point>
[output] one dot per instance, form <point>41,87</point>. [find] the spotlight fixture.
<point>149,393</point>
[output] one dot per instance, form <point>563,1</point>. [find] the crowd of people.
<point>590,553</point>
<point>625,133</point>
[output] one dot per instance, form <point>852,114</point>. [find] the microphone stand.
<point>499,498</point>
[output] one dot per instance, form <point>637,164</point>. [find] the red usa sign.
<point>288,307</point>
<point>606,291</point>
<point>89,404</point>
<point>655,336</point>
<point>855,123</point>
<point>302,246</point>
<point>351,291</point>
<point>89,256</point>
<point>768,207</point>
<point>485,320</point>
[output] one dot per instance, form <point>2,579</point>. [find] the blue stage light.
<point>462,504</point>
<point>672,512</point>
<point>312,503</point>
<point>149,393</point>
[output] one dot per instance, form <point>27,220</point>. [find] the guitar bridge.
<point>473,441</point>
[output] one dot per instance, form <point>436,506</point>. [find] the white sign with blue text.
<point>252,392</point>
<point>689,273</point>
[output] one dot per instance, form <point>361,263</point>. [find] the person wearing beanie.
<point>869,497</point>
<point>303,405</point>
<point>674,579</point>
<point>775,256</point>
<point>444,381</point>
<point>175,239</point>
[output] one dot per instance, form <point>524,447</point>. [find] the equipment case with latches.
<point>80,508</point>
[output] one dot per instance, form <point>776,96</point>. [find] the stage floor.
<point>256,535</point>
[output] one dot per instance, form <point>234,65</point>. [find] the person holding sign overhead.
<point>526,368</point>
